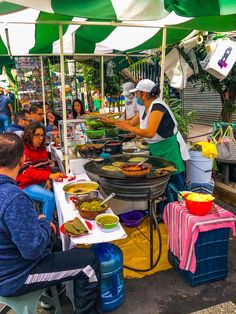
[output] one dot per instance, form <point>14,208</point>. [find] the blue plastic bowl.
<point>132,219</point>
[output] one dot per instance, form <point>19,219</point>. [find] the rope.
<point>188,138</point>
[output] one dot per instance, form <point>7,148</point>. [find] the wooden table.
<point>225,164</point>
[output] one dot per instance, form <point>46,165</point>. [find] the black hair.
<point>73,108</point>
<point>34,107</point>
<point>11,150</point>
<point>21,115</point>
<point>155,91</point>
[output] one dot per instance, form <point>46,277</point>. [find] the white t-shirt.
<point>130,107</point>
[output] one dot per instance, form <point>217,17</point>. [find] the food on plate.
<point>136,170</point>
<point>82,187</point>
<point>75,227</point>
<point>136,159</point>
<point>199,197</point>
<point>165,171</point>
<point>69,228</point>
<point>118,163</point>
<point>107,220</point>
<point>111,168</point>
<point>93,206</point>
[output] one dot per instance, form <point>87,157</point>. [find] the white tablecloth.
<point>67,212</point>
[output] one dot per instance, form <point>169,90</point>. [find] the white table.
<point>67,212</point>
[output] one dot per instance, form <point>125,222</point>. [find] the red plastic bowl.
<point>198,208</point>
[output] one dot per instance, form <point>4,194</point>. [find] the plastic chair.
<point>27,303</point>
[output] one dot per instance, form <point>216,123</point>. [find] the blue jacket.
<point>24,239</point>
<point>14,127</point>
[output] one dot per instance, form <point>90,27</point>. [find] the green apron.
<point>168,149</point>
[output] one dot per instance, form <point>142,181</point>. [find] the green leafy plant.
<point>176,105</point>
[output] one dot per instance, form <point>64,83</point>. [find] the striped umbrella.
<point>110,36</point>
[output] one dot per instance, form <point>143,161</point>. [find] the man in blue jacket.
<point>22,119</point>
<point>27,262</point>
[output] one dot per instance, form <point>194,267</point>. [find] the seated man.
<point>22,119</point>
<point>27,262</point>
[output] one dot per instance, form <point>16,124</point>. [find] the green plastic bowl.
<point>94,134</point>
<point>110,132</point>
<point>103,225</point>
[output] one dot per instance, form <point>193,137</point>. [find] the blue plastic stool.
<point>27,303</point>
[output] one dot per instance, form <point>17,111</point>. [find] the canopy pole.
<point>63,98</point>
<point>102,81</point>
<point>163,59</point>
<point>43,90</point>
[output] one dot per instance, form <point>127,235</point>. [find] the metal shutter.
<point>207,104</point>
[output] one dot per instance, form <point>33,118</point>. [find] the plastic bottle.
<point>112,281</point>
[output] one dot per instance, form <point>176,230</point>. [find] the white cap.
<point>127,87</point>
<point>143,86</point>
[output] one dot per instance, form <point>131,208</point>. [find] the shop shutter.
<point>207,103</point>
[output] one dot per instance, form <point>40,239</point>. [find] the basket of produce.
<point>199,204</point>
<point>107,222</point>
<point>135,170</point>
<point>89,208</point>
<point>94,134</point>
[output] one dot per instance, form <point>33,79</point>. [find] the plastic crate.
<point>211,250</point>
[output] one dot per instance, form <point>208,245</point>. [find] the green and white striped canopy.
<point>27,35</point>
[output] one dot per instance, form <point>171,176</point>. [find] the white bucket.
<point>198,168</point>
<point>77,165</point>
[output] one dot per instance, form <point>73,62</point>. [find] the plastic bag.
<point>177,69</point>
<point>222,58</point>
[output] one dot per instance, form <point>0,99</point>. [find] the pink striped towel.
<point>183,229</point>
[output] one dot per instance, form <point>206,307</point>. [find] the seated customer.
<point>27,262</point>
<point>36,172</point>
<point>22,119</point>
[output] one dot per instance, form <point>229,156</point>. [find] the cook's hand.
<point>105,119</point>
<point>48,185</point>
<point>123,125</point>
<point>56,176</point>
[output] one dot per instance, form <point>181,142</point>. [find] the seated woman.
<point>36,172</point>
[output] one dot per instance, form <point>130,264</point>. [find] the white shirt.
<point>130,107</point>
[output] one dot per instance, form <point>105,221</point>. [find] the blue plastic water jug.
<point>112,281</point>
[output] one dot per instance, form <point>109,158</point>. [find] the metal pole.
<point>163,59</point>
<point>43,90</point>
<point>63,98</point>
<point>102,80</point>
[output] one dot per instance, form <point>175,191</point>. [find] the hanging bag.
<point>231,145</point>
<point>222,59</point>
<point>222,149</point>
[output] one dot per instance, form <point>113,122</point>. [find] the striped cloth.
<point>183,229</point>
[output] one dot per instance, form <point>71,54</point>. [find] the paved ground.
<point>165,292</point>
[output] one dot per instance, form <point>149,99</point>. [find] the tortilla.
<point>79,225</point>
<point>118,163</point>
<point>111,168</point>
<point>136,159</point>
